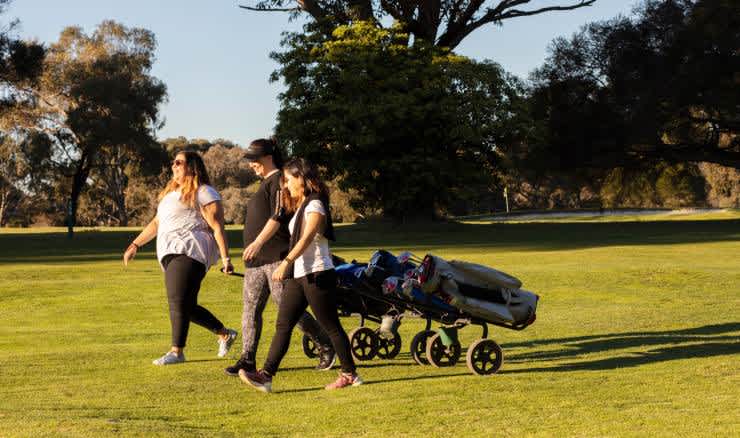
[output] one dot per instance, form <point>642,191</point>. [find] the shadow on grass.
<point>110,244</point>
<point>642,358</point>
<point>712,329</point>
<point>360,365</point>
<point>225,361</point>
<point>698,342</point>
<point>379,381</point>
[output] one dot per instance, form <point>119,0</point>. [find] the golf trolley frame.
<point>439,348</point>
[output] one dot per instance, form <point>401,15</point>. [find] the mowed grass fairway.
<point>638,334</point>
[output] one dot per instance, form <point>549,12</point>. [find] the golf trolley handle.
<point>236,274</point>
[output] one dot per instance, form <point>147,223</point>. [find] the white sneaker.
<point>170,358</point>
<point>224,345</point>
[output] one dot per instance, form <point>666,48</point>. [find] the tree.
<point>20,65</point>
<point>444,23</point>
<point>723,185</point>
<point>227,166</point>
<point>13,170</point>
<point>97,105</point>
<point>659,86</point>
<point>410,128</point>
<point>429,140</point>
<point>109,180</point>
<point>653,185</point>
<point>176,144</point>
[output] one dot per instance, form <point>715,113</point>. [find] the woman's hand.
<point>281,272</point>
<point>146,235</point>
<point>228,268</point>
<point>213,213</point>
<point>129,254</point>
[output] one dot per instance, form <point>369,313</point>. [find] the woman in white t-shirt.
<point>311,279</point>
<point>189,228</point>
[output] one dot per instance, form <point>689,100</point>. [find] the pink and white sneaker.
<point>345,380</point>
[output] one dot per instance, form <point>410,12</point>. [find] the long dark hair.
<point>270,144</point>
<point>195,176</point>
<point>312,182</point>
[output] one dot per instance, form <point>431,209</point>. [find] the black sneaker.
<point>327,357</point>
<point>242,364</point>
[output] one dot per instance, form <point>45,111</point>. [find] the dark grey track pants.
<point>258,285</point>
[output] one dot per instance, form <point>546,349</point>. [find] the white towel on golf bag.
<point>469,273</point>
<point>519,304</point>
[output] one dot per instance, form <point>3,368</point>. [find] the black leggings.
<point>182,277</point>
<point>317,290</point>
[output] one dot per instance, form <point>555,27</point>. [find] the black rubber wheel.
<point>388,348</point>
<point>484,357</point>
<point>363,343</point>
<point>441,356</point>
<point>310,347</point>
<point>418,346</point>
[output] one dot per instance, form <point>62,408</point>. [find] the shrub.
<point>723,185</point>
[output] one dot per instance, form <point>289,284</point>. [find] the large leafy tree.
<point>97,107</point>
<point>659,86</point>
<point>375,94</point>
<point>410,128</point>
<point>444,23</point>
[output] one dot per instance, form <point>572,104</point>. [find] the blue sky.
<point>214,56</point>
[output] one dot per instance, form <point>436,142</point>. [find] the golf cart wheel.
<point>440,355</point>
<point>419,346</point>
<point>484,357</point>
<point>363,343</point>
<point>388,348</point>
<point>310,347</point>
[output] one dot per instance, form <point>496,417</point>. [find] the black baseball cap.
<point>259,148</point>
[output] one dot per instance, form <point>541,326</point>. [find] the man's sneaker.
<point>242,364</point>
<point>259,379</point>
<point>170,358</point>
<point>327,357</point>
<point>345,380</point>
<point>224,345</point>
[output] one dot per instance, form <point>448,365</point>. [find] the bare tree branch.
<point>271,9</point>
<point>422,18</point>
<point>466,24</point>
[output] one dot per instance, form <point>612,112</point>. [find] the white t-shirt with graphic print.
<point>316,257</point>
<point>183,230</point>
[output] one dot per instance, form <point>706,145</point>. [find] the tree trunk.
<point>4,197</point>
<point>117,182</point>
<point>79,181</point>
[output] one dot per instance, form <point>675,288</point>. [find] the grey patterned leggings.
<point>258,285</point>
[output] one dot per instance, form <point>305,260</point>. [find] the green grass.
<point>638,334</point>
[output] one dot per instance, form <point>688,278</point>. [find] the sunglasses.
<point>178,163</point>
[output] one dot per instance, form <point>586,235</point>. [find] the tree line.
<point>632,111</point>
